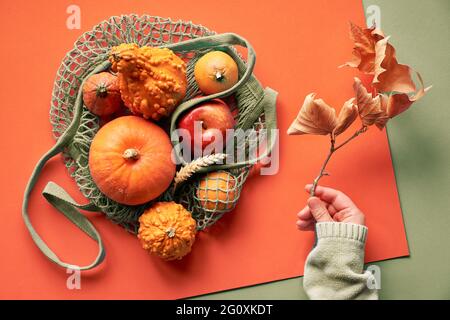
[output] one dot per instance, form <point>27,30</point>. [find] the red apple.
<point>213,114</point>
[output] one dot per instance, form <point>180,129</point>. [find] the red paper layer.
<point>299,45</point>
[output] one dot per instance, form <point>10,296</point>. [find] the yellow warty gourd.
<point>167,230</point>
<point>152,80</point>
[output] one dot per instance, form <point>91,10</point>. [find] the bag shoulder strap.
<point>267,97</point>
<point>57,197</point>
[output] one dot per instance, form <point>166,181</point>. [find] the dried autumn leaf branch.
<point>394,88</point>
<point>316,117</point>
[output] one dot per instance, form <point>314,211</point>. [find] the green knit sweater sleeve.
<point>334,268</point>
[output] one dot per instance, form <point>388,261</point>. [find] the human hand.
<point>328,205</point>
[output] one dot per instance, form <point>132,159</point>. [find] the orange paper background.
<point>299,45</point>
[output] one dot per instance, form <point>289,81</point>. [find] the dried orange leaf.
<point>364,47</point>
<point>373,54</point>
<point>389,75</point>
<point>397,103</point>
<point>382,121</point>
<point>314,117</point>
<point>347,115</point>
<point>369,108</point>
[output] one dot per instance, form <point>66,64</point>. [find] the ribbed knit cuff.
<point>341,230</point>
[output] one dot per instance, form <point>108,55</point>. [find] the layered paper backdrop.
<point>299,46</point>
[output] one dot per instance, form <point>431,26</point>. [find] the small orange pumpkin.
<point>152,80</point>
<point>215,72</point>
<point>167,230</point>
<point>101,94</point>
<point>217,191</point>
<point>130,160</point>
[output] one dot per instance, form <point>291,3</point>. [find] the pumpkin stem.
<point>170,232</point>
<point>131,154</point>
<point>102,91</point>
<point>219,76</point>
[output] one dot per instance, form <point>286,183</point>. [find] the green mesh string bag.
<point>74,126</point>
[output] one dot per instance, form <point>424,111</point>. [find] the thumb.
<point>318,210</point>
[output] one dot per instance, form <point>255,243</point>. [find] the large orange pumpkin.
<point>130,160</point>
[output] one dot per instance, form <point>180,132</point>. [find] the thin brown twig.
<point>333,149</point>
<point>357,133</point>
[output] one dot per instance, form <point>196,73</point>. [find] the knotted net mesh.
<point>93,48</point>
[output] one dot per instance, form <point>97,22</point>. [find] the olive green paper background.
<point>420,147</point>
